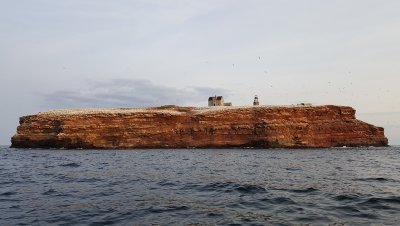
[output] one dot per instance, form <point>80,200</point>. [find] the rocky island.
<point>295,126</point>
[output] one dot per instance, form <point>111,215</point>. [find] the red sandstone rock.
<point>183,127</point>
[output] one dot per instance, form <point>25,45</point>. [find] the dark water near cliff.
<point>200,187</point>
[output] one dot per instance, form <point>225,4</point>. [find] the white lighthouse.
<point>255,102</point>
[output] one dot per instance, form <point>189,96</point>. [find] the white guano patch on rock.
<point>196,110</point>
<point>108,111</point>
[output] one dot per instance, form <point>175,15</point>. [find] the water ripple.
<point>8,193</point>
<point>72,164</point>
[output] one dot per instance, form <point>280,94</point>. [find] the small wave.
<point>348,209</point>
<point>231,187</point>
<point>248,188</point>
<point>49,192</point>
<point>62,195</point>
<point>283,200</point>
<point>347,197</point>
<point>11,182</point>
<point>90,180</point>
<point>106,222</point>
<point>54,193</point>
<point>279,200</point>
<point>214,215</point>
<point>391,200</point>
<point>292,169</point>
<point>312,218</point>
<point>8,193</point>
<point>10,200</point>
<point>104,194</point>
<point>167,209</point>
<point>73,164</point>
<point>366,215</point>
<point>64,178</point>
<point>166,183</point>
<point>306,190</point>
<point>380,179</point>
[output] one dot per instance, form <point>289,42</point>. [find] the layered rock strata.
<point>189,127</point>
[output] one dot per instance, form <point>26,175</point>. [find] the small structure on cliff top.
<point>217,101</point>
<point>255,102</point>
<point>305,104</point>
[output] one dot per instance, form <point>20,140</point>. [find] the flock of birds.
<point>330,83</point>
<point>332,87</point>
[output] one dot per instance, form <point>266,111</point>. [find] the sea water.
<point>350,186</point>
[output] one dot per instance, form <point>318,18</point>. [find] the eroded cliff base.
<point>189,127</point>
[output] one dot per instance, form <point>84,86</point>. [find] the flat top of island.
<point>174,110</point>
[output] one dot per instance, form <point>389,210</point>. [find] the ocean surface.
<point>341,186</point>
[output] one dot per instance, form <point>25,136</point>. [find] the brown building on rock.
<point>217,101</point>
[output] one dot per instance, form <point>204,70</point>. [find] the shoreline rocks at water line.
<point>190,127</point>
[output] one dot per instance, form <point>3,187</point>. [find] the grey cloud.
<point>128,93</point>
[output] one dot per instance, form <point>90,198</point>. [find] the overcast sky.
<point>101,53</point>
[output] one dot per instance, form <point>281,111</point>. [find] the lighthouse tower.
<point>255,102</point>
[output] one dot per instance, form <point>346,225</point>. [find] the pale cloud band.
<point>128,93</point>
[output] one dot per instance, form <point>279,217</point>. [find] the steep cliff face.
<point>182,127</point>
